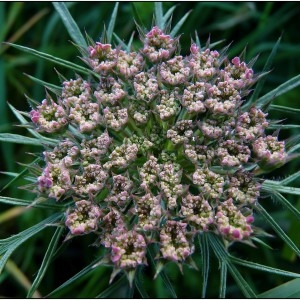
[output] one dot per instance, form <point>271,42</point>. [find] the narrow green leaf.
<point>70,24</point>
<point>290,178</point>
<point>277,228</point>
<point>46,261</point>
<point>223,280</point>
<point>284,109</point>
<point>179,24</point>
<point>278,197</point>
<point>289,289</point>
<point>266,68</point>
<point>283,88</point>
<point>280,126</point>
<point>56,60</point>
<point>113,287</point>
<point>204,248</point>
<point>136,16</point>
<point>30,203</point>
<point>287,189</point>
<point>158,12</point>
<point>138,281</point>
<point>130,42</point>
<point>17,176</point>
<point>223,257</point>
<point>263,268</point>
<point>19,139</point>
<point>9,245</point>
<point>52,87</point>
<point>168,14</point>
<point>77,276</point>
<point>293,149</point>
<point>279,187</point>
<point>111,25</point>
<point>163,275</point>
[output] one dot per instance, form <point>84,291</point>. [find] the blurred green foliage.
<point>254,25</point>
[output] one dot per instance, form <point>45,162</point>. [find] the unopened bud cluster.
<point>156,148</point>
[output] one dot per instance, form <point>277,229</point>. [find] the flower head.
<point>157,148</point>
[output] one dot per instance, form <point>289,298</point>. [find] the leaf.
<point>284,109</point>
<point>113,287</point>
<point>168,14</point>
<point>263,268</point>
<point>277,228</point>
<point>223,257</point>
<point>19,139</point>
<point>56,60</point>
<point>223,280</point>
<point>279,187</point>
<point>163,275</point>
<point>30,203</point>
<point>289,289</point>
<point>136,16</point>
<point>266,68</point>
<point>283,88</point>
<point>54,88</point>
<point>179,24</point>
<point>9,245</point>
<point>70,24</point>
<point>204,248</point>
<point>279,126</point>
<point>282,200</point>
<point>138,281</point>
<point>158,12</point>
<point>77,276</point>
<point>112,22</point>
<point>46,261</point>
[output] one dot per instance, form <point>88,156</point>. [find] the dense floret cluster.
<point>156,149</point>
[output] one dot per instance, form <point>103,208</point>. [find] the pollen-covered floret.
<point>175,245</point>
<point>194,96</point>
<point>109,91</point>
<point>174,71</point>
<point>251,125</point>
<point>170,177</point>
<point>115,117</point>
<point>169,104</point>
<point>84,218</point>
<point>102,58</point>
<point>158,46</point>
<point>197,211</point>
<point>91,181</point>
<point>232,153</point>
<point>145,86</point>
<point>129,64</point>
<point>121,190</point>
<point>149,211</point>
<point>49,117</point>
<point>269,151</point>
<point>204,64</point>
<point>231,222</point>
<point>128,249</point>
<point>55,180</point>
<point>210,184</point>
<point>244,188</point>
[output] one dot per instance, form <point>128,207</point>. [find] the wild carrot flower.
<point>161,149</point>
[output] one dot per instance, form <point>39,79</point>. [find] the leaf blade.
<point>46,261</point>
<point>70,24</point>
